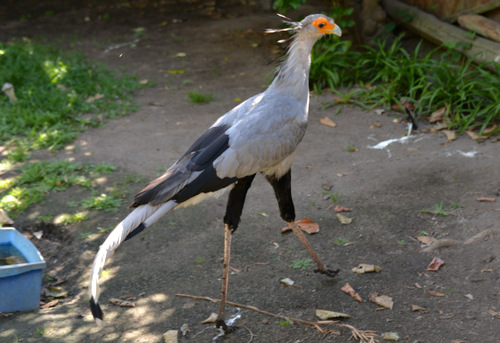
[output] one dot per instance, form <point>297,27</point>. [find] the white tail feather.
<point>146,214</point>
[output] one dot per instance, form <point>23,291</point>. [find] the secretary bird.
<point>258,136</point>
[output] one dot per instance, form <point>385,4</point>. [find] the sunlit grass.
<point>54,89</point>
<point>37,179</point>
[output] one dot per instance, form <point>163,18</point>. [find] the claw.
<point>329,272</point>
<point>220,324</point>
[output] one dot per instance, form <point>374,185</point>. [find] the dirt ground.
<point>227,54</point>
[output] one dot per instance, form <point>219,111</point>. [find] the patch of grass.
<point>437,210</point>
<point>351,148</point>
<point>382,75</point>
<point>86,235</point>
<point>286,322</point>
<point>54,89</point>
<point>456,205</point>
<point>197,97</point>
<point>302,264</point>
<point>334,197</point>
<point>340,241</point>
<point>200,260</point>
<point>37,179</point>
<point>70,218</point>
<point>102,202</point>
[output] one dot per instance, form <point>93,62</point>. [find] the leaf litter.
<point>347,288</point>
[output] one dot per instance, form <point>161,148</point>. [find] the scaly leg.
<point>220,322</point>
<point>322,269</point>
<point>231,220</point>
<point>283,191</point>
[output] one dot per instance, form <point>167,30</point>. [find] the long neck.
<point>293,75</point>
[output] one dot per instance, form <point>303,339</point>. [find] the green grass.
<point>36,179</point>
<point>102,202</point>
<point>382,75</point>
<point>197,97</point>
<point>54,89</point>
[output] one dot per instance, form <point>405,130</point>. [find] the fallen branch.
<point>438,32</point>
<point>362,336</point>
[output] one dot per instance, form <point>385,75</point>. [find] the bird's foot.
<point>327,271</point>
<point>221,324</point>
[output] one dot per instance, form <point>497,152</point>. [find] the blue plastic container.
<point>20,284</point>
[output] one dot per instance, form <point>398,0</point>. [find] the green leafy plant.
<point>334,197</point>
<point>382,75</point>
<point>286,322</point>
<point>340,241</point>
<point>302,264</point>
<point>437,210</point>
<point>283,6</point>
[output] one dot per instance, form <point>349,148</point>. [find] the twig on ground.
<point>363,336</point>
<point>254,264</point>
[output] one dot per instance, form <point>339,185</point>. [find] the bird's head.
<point>315,24</point>
<point>319,24</point>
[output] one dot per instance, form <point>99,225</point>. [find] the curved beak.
<point>337,31</point>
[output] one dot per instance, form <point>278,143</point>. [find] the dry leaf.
<point>324,314</point>
<point>340,100</point>
<point>211,319</point>
<point>390,336</point>
<point>327,122</point>
<point>94,98</point>
<point>416,308</point>
<point>435,264</point>
<point>469,296</point>
<point>339,209</point>
<point>305,224</point>
<point>349,290</point>
<point>490,129</point>
<point>406,106</point>
<point>494,314</point>
<point>450,135</point>
<point>343,219</point>
<point>366,268</point>
<point>287,281</point>
<point>437,115</point>
<point>55,292</point>
<point>426,240</point>
<point>50,304</point>
<point>436,294</point>
<point>382,300</point>
<point>4,218</point>
<point>170,336</point>
<point>485,199</point>
<point>122,303</point>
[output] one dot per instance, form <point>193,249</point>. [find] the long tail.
<point>139,219</point>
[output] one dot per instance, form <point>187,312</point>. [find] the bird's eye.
<point>321,25</point>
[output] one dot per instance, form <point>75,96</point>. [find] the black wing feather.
<point>199,157</point>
